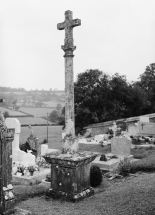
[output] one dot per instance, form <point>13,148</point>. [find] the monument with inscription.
<point>70,170</point>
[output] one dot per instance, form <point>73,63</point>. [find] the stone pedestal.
<point>70,175</point>
<point>7,200</point>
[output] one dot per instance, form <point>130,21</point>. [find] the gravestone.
<point>7,200</point>
<point>146,128</point>
<point>121,146</point>
<point>34,142</point>
<point>144,119</point>
<point>14,123</point>
<point>120,149</point>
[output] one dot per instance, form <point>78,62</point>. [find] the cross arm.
<point>61,26</point>
<point>76,22</point>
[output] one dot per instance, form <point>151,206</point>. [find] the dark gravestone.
<point>103,158</point>
<point>7,200</point>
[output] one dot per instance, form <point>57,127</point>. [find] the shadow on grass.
<point>139,153</point>
<point>23,192</point>
<point>146,164</point>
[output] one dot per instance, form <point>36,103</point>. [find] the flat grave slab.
<point>31,180</point>
<point>111,164</point>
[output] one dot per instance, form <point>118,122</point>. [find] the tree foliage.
<point>100,97</point>
<point>6,114</point>
<point>147,83</point>
<point>53,116</point>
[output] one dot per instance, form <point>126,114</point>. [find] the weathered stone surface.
<point>7,200</point>
<point>68,48</point>
<point>120,146</point>
<point>70,175</point>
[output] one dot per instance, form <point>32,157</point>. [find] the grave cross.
<point>142,125</point>
<point>68,48</point>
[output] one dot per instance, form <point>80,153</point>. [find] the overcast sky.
<point>114,36</point>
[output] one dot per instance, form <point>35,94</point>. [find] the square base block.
<point>9,207</point>
<point>70,175</point>
<point>69,196</point>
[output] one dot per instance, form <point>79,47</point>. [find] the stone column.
<point>69,96</point>
<point>68,48</point>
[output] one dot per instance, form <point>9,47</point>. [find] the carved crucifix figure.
<point>68,48</point>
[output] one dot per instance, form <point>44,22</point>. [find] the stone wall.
<point>101,128</point>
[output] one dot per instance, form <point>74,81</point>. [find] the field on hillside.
<point>54,134</point>
<point>37,112</point>
<point>54,103</point>
<point>32,121</point>
<point>11,112</point>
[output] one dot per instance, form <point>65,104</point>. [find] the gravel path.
<point>131,196</point>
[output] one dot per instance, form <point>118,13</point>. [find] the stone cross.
<point>142,125</point>
<point>68,48</point>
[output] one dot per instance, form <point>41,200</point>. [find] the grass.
<point>32,121</point>
<point>133,195</point>
<point>54,134</point>
<point>146,164</point>
<point>37,112</point>
<point>140,153</point>
<point>11,112</point>
<point>124,197</point>
<point>23,192</point>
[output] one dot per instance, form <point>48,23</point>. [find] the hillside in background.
<point>17,98</point>
<point>30,107</point>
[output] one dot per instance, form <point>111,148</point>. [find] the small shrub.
<point>95,176</point>
<point>124,167</point>
<point>44,141</point>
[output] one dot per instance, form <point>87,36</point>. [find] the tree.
<point>38,104</point>
<point>61,118</point>
<point>6,114</point>
<point>59,109</point>
<point>147,83</point>
<point>90,104</point>
<point>53,116</point>
<point>100,98</point>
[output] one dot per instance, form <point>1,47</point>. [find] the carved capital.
<point>68,50</point>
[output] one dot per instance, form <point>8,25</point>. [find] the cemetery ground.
<point>133,194</point>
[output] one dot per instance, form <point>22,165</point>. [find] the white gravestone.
<point>121,146</point>
<point>144,119</point>
<point>44,148</point>
<point>28,158</point>
<point>21,155</point>
<point>14,123</point>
